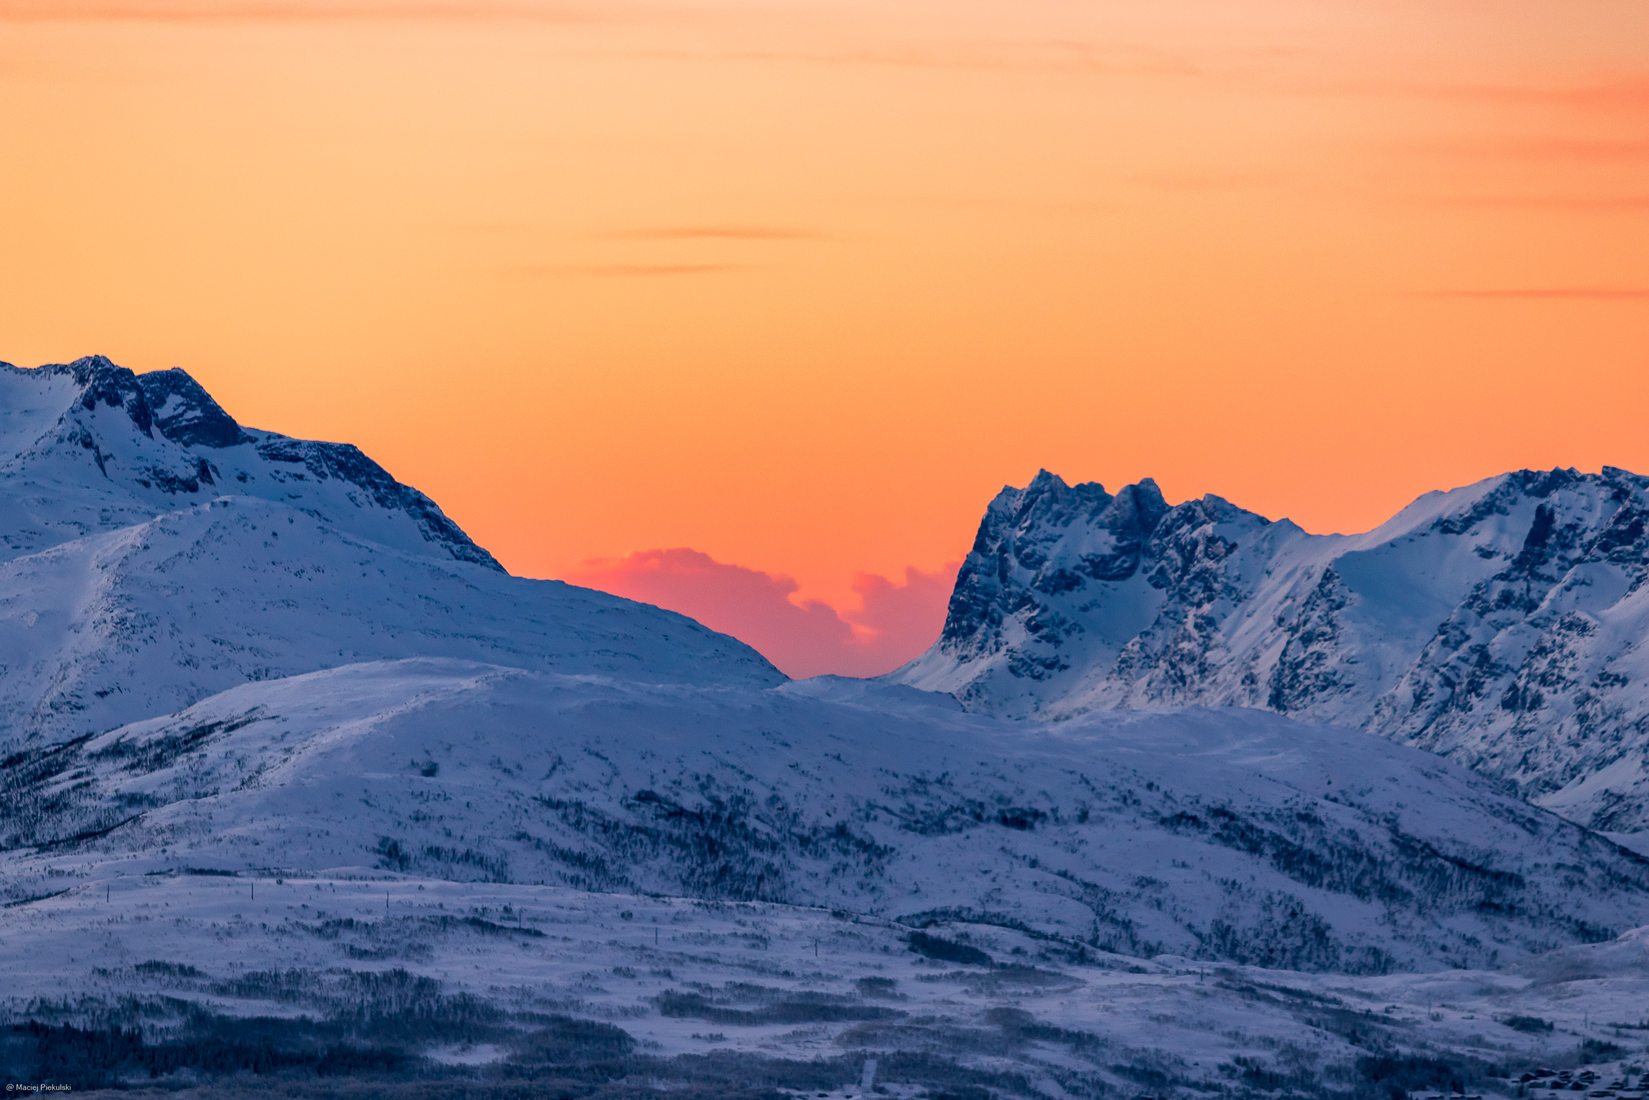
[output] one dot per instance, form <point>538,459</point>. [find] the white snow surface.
<point>149,618</point>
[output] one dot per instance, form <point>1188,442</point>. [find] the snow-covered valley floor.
<point>410,983</point>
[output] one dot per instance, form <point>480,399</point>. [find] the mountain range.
<point>297,776</point>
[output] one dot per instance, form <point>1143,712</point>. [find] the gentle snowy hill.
<point>1502,624</point>
<point>149,618</point>
<point>1229,835</point>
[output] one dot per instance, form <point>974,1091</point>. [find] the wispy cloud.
<point>1049,56</point>
<point>1624,92</point>
<point>1621,92</point>
<point>1205,180</point>
<point>1545,294</point>
<point>315,11</point>
<point>1594,204</point>
<point>1554,149</point>
<point>638,270</point>
<point>722,232</point>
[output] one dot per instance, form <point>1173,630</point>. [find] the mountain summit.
<point>90,446</point>
<point>1500,624</point>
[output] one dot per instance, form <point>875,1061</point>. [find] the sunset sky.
<point>748,308</point>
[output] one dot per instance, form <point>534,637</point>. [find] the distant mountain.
<point>158,553</point>
<point>1502,624</point>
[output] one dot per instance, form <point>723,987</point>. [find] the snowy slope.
<point>1501,624</point>
<point>1226,835</point>
<point>149,618</point>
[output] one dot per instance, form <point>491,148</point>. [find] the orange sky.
<point>799,284</point>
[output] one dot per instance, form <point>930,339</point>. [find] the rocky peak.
<point>102,382</point>
<point>186,413</point>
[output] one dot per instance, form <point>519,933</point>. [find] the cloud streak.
<point>1593,204</point>
<point>893,620</point>
<point>1545,294</point>
<point>715,233</point>
<point>630,271</point>
<point>1627,92</point>
<point>208,12</point>
<point>1055,56</point>
<point>1565,150</point>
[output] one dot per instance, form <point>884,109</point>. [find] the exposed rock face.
<point>1501,624</point>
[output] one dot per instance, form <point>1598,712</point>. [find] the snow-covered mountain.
<point>89,446</point>
<point>1502,624</point>
<point>159,553</point>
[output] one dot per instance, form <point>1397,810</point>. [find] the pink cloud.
<point>893,620</point>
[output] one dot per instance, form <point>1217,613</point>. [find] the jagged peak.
<point>186,413</point>
<point>104,382</point>
<point>1046,481</point>
<point>1542,483</point>
<point>83,366</point>
<point>1048,500</point>
<point>1146,486</point>
<point>90,371</point>
<point>1044,485</point>
<point>1145,498</point>
<point>1545,481</point>
<point>1217,505</point>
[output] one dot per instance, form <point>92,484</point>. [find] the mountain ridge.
<point>1496,622</point>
